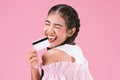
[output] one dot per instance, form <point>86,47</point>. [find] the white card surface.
<point>41,44</point>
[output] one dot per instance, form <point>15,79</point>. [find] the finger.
<point>32,60</point>
<point>31,54</point>
<point>34,64</point>
<point>31,51</point>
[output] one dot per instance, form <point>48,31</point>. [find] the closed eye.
<point>58,25</point>
<point>47,22</point>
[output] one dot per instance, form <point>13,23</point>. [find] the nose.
<point>50,30</point>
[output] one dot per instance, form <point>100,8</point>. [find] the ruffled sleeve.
<point>66,71</point>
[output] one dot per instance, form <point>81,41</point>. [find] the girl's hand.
<point>32,59</point>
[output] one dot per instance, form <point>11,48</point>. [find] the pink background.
<point>22,21</point>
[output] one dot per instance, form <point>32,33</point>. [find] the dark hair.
<point>70,16</point>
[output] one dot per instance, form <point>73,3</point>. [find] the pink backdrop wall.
<point>21,22</point>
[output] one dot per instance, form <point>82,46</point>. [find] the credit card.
<point>41,44</point>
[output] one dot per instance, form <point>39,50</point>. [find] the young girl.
<point>63,59</point>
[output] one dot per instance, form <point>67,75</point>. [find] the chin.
<point>52,46</point>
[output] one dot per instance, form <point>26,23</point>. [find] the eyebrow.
<point>47,21</point>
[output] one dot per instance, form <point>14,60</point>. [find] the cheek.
<point>44,29</point>
<point>61,32</point>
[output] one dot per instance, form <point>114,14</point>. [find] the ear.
<point>70,32</point>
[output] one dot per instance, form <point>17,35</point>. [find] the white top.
<point>65,70</point>
<point>74,51</point>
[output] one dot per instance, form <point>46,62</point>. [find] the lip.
<point>51,39</point>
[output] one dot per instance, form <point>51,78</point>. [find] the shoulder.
<point>55,55</point>
<point>74,51</point>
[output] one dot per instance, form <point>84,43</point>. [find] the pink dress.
<point>65,70</point>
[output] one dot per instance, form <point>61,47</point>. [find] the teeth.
<point>50,37</point>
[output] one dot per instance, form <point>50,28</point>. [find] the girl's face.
<point>55,29</point>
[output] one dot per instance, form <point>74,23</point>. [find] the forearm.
<point>35,75</point>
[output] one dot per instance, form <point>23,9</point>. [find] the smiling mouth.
<point>51,39</point>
